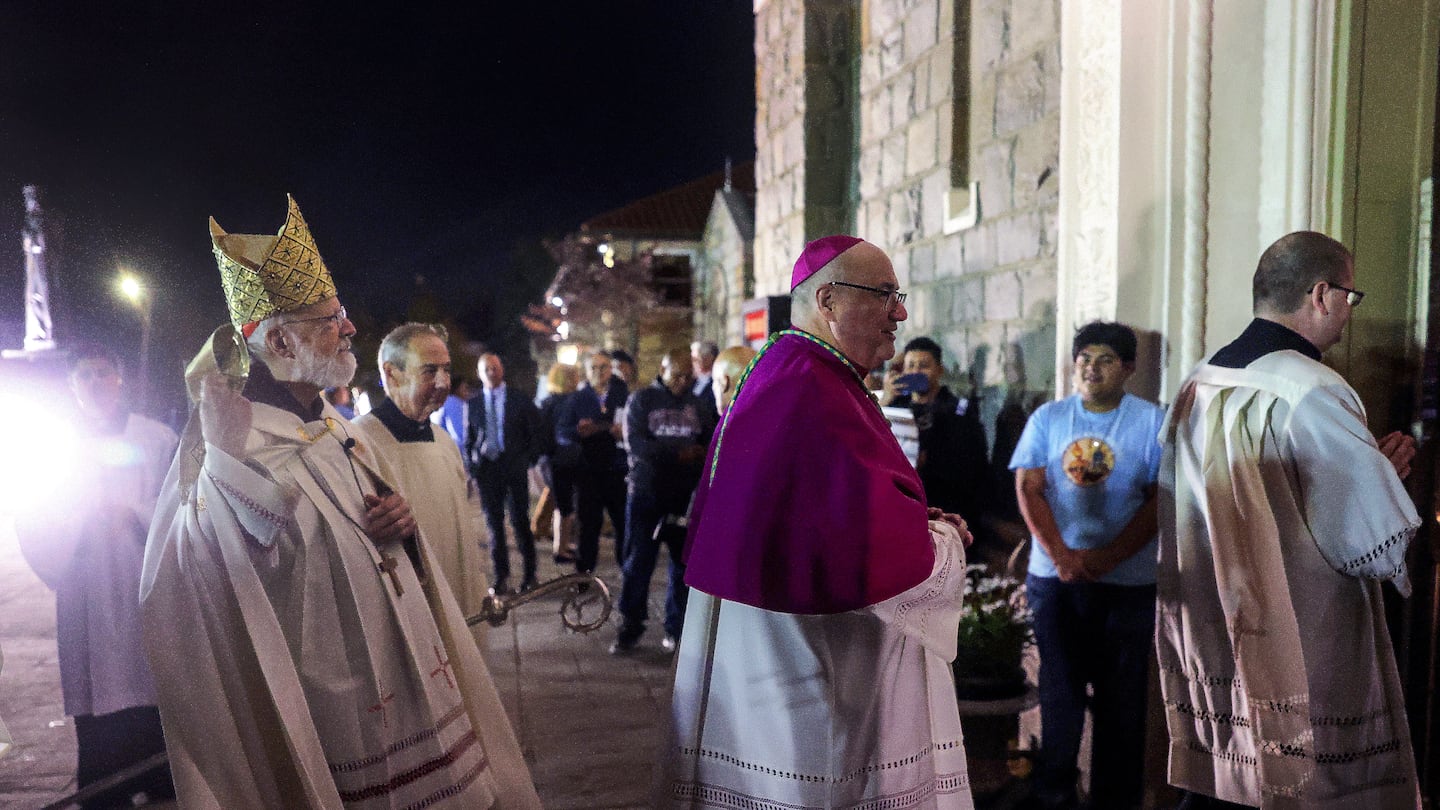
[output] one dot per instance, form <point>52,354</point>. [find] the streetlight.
<point>135,291</point>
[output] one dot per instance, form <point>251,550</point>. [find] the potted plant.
<point>994,632</point>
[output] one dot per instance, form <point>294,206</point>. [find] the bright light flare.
<point>569,354</point>
<point>39,451</point>
<point>131,288</point>
<point>557,301</point>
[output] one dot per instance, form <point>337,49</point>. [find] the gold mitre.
<point>263,275</point>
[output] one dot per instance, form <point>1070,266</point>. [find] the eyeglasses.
<point>893,298</point>
<point>336,318</point>
<point>1352,297</point>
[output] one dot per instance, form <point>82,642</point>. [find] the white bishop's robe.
<point>432,478</point>
<point>292,672</point>
<point>779,711</point>
<point>1279,521</point>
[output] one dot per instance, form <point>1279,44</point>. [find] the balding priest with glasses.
<point>307,650</point>
<point>814,668</point>
<point>1281,517</point>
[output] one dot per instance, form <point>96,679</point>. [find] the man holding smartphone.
<point>953,461</point>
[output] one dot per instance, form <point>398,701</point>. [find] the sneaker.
<point>528,585</point>
<point>500,588</point>
<point>624,646</point>
<point>670,643</point>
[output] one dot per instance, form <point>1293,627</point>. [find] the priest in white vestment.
<point>1280,519</point>
<point>424,463</point>
<point>307,649</point>
<point>814,666</point>
<point>90,550</point>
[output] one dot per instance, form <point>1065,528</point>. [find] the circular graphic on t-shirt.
<point>1088,461</point>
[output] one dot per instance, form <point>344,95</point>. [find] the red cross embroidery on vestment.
<point>444,667</point>
<point>383,709</point>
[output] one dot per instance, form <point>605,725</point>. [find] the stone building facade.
<point>931,128</point>
<point>725,268</point>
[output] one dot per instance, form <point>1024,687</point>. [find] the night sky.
<point>419,140</point>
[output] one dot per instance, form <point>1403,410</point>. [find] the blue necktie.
<point>494,440</point>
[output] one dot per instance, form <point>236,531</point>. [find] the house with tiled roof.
<point>697,237</point>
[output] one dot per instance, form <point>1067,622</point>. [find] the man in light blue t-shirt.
<point>1085,473</point>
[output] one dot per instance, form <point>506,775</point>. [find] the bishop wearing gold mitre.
<point>306,647</point>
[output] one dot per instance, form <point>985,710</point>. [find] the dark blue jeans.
<point>1100,635</point>
<point>643,513</point>
<point>599,491</point>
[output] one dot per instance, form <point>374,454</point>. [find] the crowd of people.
<point>304,577</point>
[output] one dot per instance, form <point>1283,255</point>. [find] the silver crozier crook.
<point>582,592</point>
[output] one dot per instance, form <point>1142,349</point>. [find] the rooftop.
<point>678,212</point>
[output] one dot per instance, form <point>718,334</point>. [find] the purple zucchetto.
<point>819,253</point>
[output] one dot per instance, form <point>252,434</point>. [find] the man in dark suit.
<point>702,363</point>
<point>502,441</point>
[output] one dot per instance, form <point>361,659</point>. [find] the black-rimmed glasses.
<point>1352,297</point>
<point>893,298</point>
<point>337,318</point>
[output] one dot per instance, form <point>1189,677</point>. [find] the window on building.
<point>672,276</point>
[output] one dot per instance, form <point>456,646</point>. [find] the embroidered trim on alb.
<point>1279,749</point>
<point>445,760</point>
<point>1229,756</point>
<point>724,797</point>
<point>1239,721</point>
<point>799,777</point>
<point>453,790</point>
<point>1345,757</point>
<point>1282,706</point>
<point>1208,680</point>
<point>399,745</point>
<point>1353,720</point>
<point>1224,718</point>
<point>941,577</point>
<point>1375,553</point>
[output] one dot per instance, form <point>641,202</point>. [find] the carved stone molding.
<point>1090,87</point>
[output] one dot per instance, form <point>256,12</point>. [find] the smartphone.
<point>916,383</point>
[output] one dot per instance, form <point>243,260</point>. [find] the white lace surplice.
<point>1280,521</point>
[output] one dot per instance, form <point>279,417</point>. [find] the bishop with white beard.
<point>306,647</point>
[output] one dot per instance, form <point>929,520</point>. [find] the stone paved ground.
<point>588,722</point>
<point>41,766</point>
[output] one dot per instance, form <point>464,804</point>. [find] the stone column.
<point>1190,133</point>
